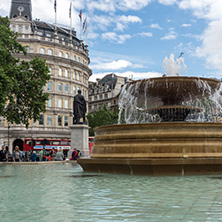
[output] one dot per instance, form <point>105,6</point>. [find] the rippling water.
<point>62,192</point>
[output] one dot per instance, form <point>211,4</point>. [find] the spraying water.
<point>171,98</point>
<point>172,67</point>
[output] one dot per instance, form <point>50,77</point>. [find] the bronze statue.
<point>79,108</point>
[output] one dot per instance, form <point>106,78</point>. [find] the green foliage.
<point>102,117</point>
<point>21,82</point>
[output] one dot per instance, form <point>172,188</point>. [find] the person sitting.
<point>48,157</point>
<point>75,154</point>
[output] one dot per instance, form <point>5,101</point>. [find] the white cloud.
<point>211,47</point>
<point>145,34</point>
<point>112,36</point>
<point>155,26</point>
<point>167,2</point>
<point>114,65</point>
<point>186,25</point>
<point>129,19</point>
<point>128,74</point>
<point>101,64</point>
<point>170,36</point>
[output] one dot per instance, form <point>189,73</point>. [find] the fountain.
<point>169,128</point>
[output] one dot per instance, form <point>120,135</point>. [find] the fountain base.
<point>175,148</point>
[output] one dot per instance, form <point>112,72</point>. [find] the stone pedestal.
<point>80,138</point>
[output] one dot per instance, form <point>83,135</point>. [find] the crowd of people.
<point>33,156</point>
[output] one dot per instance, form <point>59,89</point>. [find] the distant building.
<point>105,91</point>
<point>68,62</point>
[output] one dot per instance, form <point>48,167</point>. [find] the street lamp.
<point>8,137</point>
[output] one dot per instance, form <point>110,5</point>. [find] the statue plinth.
<point>80,138</point>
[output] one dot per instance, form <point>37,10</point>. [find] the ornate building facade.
<point>68,61</point>
<point>106,91</point>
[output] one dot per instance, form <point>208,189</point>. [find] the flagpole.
<point>55,8</point>
<point>86,34</point>
<point>70,15</point>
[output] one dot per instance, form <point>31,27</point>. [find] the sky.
<point>132,37</point>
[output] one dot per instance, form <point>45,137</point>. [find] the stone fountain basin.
<point>173,90</point>
<point>159,140</point>
<point>157,149</point>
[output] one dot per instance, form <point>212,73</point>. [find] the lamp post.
<point>8,137</point>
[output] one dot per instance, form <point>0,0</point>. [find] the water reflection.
<point>62,192</point>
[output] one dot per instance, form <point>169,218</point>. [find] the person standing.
<point>59,155</point>
<point>42,155</point>
<point>33,157</point>
<point>16,155</point>
<point>75,154</point>
<point>3,155</point>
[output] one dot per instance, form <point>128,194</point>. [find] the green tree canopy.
<point>21,82</point>
<point>102,117</point>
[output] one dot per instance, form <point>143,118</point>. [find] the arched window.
<point>74,75</point>
<point>78,76</point>
<point>27,49</point>
<point>74,57</point>
<point>42,51</point>
<point>60,54</point>
<point>67,55</point>
<point>49,52</point>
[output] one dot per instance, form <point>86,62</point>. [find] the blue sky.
<point>132,37</point>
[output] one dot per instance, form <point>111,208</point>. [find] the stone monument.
<point>80,129</point>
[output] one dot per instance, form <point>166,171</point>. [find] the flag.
<point>80,15</point>
<point>70,10</point>
<point>85,28</point>
<point>55,5</point>
<point>84,24</point>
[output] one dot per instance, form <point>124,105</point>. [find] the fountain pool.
<point>63,192</point>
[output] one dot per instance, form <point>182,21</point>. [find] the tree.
<point>21,82</point>
<point>102,117</point>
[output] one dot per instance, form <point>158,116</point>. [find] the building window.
<point>40,33</point>
<point>27,49</point>
<point>100,96</point>
<point>60,72</point>
<point>78,59</point>
<point>74,90</point>
<point>66,104</point>
<point>49,52</point>
<point>66,121</point>
<point>49,120</point>
<point>106,96</point>
<point>60,54</point>
<point>49,104</point>
<point>60,103</point>
<point>59,120</point>
<point>66,73</point>
<point>78,76</point>
<point>74,57</point>
<point>13,28</point>
<point>26,29</point>
<point>41,120</point>
<point>49,86</point>
<point>66,88</point>
<point>60,87</point>
<point>74,75</point>
<point>42,51</point>
<point>48,35</point>
<point>20,29</point>
<point>67,55</point>
<point>50,70</point>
